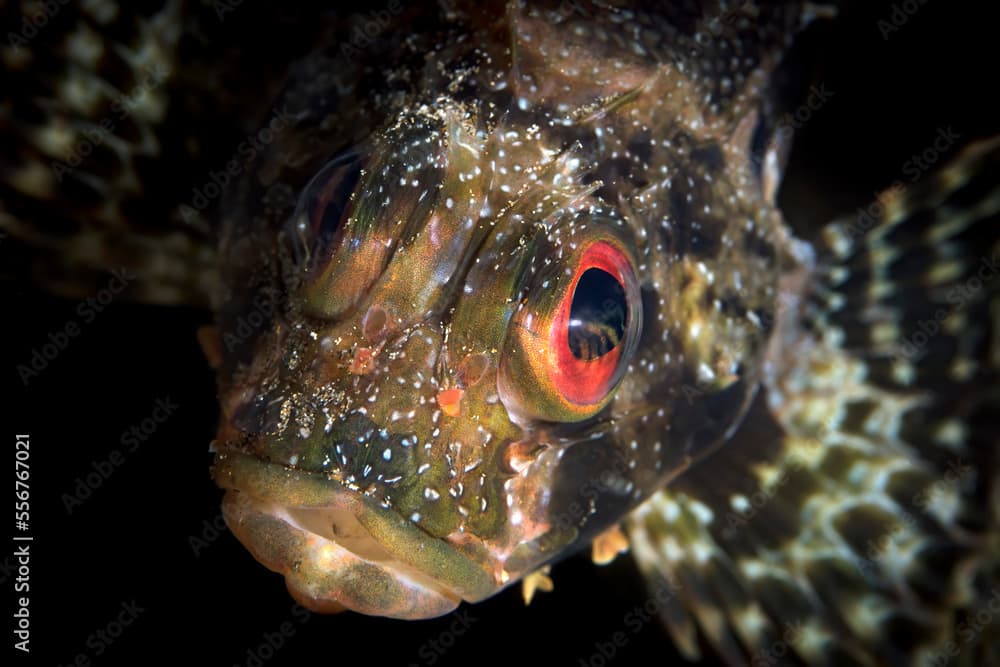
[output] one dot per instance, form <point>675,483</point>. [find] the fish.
<point>514,283</point>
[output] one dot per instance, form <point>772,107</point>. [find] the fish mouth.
<point>340,550</point>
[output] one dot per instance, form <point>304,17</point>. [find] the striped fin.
<point>853,518</point>
<point>89,89</point>
<point>119,123</point>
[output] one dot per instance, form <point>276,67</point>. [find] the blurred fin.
<point>89,92</point>
<point>853,518</point>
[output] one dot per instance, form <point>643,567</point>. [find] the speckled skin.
<point>795,469</point>
<point>498,145</point>
<point>521,137</point>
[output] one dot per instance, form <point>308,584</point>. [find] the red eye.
<point>568,352</point>
<point>589,327</point>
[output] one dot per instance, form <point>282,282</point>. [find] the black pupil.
<point>597,315</point>
<point>331,203</point>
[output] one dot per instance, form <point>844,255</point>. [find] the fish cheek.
<point>593,489</point>
<point>480,323</point>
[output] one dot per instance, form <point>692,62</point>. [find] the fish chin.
<point>338,549</point>
<point>328,573</point>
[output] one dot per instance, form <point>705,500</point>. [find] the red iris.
<point>587,330</point>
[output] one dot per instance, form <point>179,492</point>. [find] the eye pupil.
<point>597,317</point>
<point>317,226</point>
<point>331,203</point>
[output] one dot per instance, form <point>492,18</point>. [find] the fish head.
<point>486,347</point>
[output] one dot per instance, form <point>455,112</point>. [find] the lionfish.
<point>498,282</point>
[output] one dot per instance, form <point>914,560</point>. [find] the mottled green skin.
<point>820,471</point>
<point>497,144</point>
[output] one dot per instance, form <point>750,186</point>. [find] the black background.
<point>132,539</point>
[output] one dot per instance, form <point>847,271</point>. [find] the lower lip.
<point>403,572</point>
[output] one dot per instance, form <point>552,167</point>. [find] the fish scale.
<point>773,386</point>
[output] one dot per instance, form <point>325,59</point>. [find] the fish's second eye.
<point>324,210</point>
<point>567,354</point>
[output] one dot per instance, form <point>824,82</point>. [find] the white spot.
<point>739,503</point>
<point>701,552</point>
<point>702,512</point>
<point>952,432</point>
<point>705,374</point>
<point>671,550</point>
